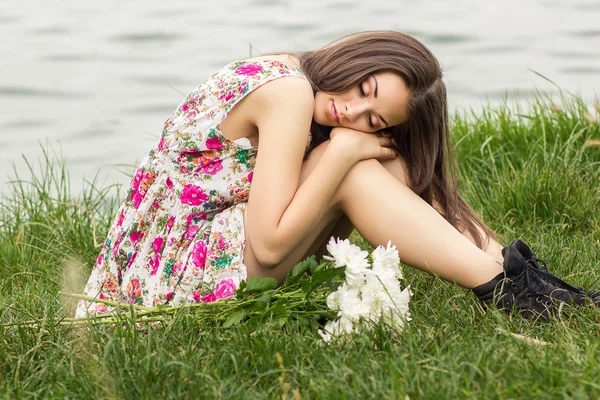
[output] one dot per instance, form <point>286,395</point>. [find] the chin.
<point>320,119</point>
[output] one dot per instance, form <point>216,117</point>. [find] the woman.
<point>206,209</point>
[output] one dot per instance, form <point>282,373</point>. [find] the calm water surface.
<point>96,79</point>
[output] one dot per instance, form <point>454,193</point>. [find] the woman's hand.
<point>359,145</point>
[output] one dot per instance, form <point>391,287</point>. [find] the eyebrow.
<point>375,94</point>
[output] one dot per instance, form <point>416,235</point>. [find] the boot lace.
<point>542,288</point>
<point>538,263</point>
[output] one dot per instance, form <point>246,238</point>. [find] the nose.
<point>353,109</point>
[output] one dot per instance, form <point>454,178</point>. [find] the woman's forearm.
<point>307,206</point>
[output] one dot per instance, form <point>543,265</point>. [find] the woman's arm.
<point>280,214</point>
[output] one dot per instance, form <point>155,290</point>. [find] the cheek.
<point>318,113</point>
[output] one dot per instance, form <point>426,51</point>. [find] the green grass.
<point>528,173</point>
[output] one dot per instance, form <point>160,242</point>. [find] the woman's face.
<point>376,103</point>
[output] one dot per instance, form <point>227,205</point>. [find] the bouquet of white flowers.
<point>370,293</point>
<point>335,298</point>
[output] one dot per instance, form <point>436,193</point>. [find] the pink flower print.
<point>191,227</point>
<point>169,182</point>
<point>225,288</point>
<point>175,269</point>
<point>227,97</point>
<point>212,168</point>
<point>209,298</point>
<point>132,259</point>
<point>184,107</point>
<point>121,218</point>
<point>135,237</point>
<point>243,87</point>
<point>154,263</point>
<point>116,246</point>
<point>199,254</point>
<point>168,296</point>
<point>191,152</point>
<point>196,295</point>
<point>170,223</point>
<point>99,259</point>
<point>157,245</point>
<point>214,143</point>
<point>137,178</point>
<point>137,199</point>
<point>250,176</point>
<point>98,308</point>
<point>190,232</point>
<point>193,195</point>
<point>221,242</point>
<point>161,143</point>
<point>248,69</point>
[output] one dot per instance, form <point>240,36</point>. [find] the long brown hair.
<point>423,141</point>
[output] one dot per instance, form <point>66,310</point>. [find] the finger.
<point>385,142</point>
<point>387,153</point>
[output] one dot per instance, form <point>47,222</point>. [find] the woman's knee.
<point>364,170</point>
<point>398,168</point>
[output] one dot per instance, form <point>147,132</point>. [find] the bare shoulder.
<point>290,93</point>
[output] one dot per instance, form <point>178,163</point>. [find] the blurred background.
<point>96,79</point>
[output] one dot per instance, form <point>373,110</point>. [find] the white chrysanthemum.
<point>375,295</point>
<point>325,334</point>
<point>385,299</point>
<point>387,259</point>
<point>399,315</point>
<point>356,270</point>
<point>350,304</point>
<point>345,254</point>
<point>337,328</point>
<point>369,293</point>
<point>333,301</point>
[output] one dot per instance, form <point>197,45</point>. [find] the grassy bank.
<point>529,173</point>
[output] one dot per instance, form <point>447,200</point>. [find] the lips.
<point>334,112</point>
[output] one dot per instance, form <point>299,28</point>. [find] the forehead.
<point>392,97</point>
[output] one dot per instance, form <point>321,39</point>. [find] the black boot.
<point>526,287</point>
<point>531,258</point>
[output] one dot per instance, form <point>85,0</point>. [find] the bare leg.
<point>382,208</point>
<point>493,248</point>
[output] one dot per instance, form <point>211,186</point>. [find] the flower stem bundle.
<point>336,295</point>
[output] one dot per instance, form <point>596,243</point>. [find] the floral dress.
<point>179,236</point>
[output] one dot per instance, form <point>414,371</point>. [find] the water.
<point>96,79</point>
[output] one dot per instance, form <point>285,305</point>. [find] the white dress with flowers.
<point>179,237</point>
